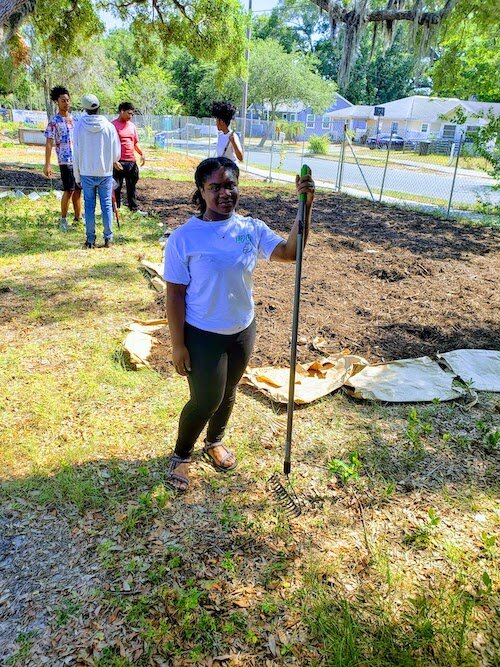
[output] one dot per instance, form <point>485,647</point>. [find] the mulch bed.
<point>25,177</point>
<point>382,282</point>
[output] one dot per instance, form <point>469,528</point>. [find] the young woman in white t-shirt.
<point>209,261</point>
<point>228,142</point>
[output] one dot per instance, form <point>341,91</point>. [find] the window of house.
<point>310,120</point>
<point>470,132</point>
<point>449,131</point>
<point>325,123</point>
<point>292,117</point>
<point>424,127</point>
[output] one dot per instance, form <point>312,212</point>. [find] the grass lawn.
<point>394,561</point>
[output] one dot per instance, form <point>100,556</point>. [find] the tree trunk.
<point>353,18</point>
<point>12,12</point>
<point>270,129</point>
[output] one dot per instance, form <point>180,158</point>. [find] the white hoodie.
<point>96,147</point>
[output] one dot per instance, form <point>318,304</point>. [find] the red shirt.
<point>127,133</point>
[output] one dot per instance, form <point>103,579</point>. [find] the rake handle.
<point>295,325</point>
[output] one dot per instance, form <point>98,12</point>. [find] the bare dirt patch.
<point>383,282</point>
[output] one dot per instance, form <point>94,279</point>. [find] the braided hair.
<point>204,170</point>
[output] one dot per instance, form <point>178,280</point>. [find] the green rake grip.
<point>305,171</point>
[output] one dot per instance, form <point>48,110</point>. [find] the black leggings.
<point>217,363</point>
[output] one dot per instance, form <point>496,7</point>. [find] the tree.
<point>295,24</point>
<point>378,75</point>
<point>14,58</point>
<point>304,20</point>
<point>467,61</point>
<point>277,77</point>
<point>193,81</point>
<point>486,139</point>
<point>12,13</point>
<point>212,31</point>
<point>150,91</point>
<point>120,46</point>
<point>352,17</point>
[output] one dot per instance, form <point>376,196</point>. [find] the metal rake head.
<point>287,498</point>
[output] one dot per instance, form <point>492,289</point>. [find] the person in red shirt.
<point>129,141</point>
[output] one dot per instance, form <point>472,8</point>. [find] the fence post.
<point>270,177</point>
<point>338,182</point>
<point>359,166</point>
<point>454,174</point>
<point>452,150</point>
<point>187,135</point>
<point>247,146</point>
<point>385,167</point>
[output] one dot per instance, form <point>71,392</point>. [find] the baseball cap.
<point>90,102</point>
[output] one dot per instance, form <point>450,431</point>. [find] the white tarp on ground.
<point>405,381</point>
<point>154,272</point>
<point>312,381</point>
<point>146,326</point>
<point>480,367</point>
<point>137,348</point>
<point>153,268</point>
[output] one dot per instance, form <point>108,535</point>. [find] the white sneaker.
<point>139,212</point>
<point>63,225</point>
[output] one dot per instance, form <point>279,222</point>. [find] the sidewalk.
<point>353,192</point>
<point>417,165</point>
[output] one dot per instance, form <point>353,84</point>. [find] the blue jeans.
<point>91,186</point>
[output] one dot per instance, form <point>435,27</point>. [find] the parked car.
<point>382,141</point>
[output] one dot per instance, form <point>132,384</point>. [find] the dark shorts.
<point>67,177</point>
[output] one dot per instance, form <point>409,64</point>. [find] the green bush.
<point>468,150</point>
<point>319,144</point>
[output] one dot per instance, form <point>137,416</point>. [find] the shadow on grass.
<point>441,447</point>
<point>37,232</point>
<point>52,298</point>
<point>204,564</point>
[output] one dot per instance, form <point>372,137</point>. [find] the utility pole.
<point>245,83</point>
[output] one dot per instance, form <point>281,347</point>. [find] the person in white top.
<point>209,261</point>
<point>228,142</point>
<point>96,148</point>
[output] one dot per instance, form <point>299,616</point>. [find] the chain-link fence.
<point>443,174</point>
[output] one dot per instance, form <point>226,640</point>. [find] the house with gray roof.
<point>317,124</point>
<point>415,118</point>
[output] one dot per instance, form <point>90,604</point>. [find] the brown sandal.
<point>218,466</point>
<point>175,476</point>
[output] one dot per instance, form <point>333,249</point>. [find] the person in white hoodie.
<point>96,147</point>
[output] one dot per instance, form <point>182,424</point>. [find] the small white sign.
<point>29,117</point>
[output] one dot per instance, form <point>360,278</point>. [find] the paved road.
<point>401,180</point>
<point>434,185</point>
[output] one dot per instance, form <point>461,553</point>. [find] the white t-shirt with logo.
<point>215,260</point>
<point>225,147</point>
